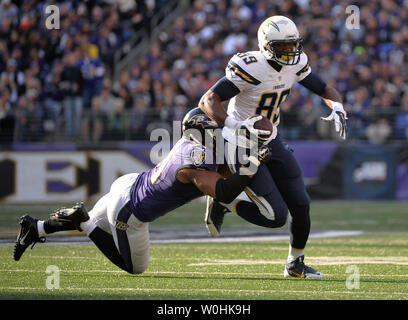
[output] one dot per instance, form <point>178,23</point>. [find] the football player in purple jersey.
<point>118,222</point>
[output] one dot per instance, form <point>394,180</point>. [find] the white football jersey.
<point>262,88</point>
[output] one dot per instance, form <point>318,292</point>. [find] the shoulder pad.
<point>240,66</point>
<point>303,65</point>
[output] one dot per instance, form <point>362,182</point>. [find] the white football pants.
<point>131,236</point>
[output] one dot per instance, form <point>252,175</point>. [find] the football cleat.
<point>298,269</point>
<point>75,215</point>
<point>214,216</point>
<point>28,235</point>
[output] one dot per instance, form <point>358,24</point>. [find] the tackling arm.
<point>213,184</point>
<point>225,189</point>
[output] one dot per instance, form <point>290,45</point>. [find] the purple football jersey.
<point>157,191</point>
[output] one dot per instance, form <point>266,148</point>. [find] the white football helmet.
<point>277,30</point>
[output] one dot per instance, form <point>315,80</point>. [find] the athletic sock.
<point>294,253</point>
<point>40,228</point>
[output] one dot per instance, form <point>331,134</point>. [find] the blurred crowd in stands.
<point>58,84</point>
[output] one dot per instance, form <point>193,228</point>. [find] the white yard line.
<point>198,273</point>
<point>323,234</point>
<point>260,291</point>
<point>321,261</point>
<point>172,236</point>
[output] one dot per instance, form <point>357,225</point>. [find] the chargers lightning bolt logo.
<point>274,24</point>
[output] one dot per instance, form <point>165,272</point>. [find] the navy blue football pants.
<point>275,189</point>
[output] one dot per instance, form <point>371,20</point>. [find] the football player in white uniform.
<point>256,83</point>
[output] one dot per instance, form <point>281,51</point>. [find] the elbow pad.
<point>227,189</point>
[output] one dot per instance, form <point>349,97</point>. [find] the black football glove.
<point>258,156</point>
<point>264,154</point>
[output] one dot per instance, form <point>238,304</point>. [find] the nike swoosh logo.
<point>22,239</point>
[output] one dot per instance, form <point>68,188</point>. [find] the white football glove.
<point>339,116</point>
<point>247,124</point>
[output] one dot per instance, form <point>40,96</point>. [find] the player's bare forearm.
<point>211,105</point>
<point>332,94</point>
<point>206,182</point>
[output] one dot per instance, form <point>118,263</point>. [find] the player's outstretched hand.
<point>339,116</point>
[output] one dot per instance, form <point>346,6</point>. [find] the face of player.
<point>284,47</point>
<point>284,50</point>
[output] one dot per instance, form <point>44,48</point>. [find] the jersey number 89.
<point>270,102</point>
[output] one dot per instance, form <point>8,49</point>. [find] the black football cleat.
<point>298,269</point>
<point>28,235</point>
<point>214,216</point>
<point>74,215</point>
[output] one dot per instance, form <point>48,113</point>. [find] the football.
<point>263,124</point>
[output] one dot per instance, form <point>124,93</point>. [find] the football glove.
<point>247,125</point>
<point>257,156</point>
<point>339,116</point>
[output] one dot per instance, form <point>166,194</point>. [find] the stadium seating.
<point>61,85</point>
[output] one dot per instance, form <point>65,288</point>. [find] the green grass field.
<point>378,259</point>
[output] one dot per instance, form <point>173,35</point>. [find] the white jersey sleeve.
<point>303,68</point>
<point>238,71</point>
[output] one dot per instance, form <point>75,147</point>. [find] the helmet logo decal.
<point>274,25</point>
<point>203,121</point>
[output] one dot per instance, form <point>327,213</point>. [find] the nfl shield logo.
<point>121,225</point>
<point>198,155</point>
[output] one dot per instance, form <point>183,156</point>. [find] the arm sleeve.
<point>227,189</point>
<point>314,83</point>
<point>225,89</point>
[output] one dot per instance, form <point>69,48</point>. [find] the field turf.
<point>371,265</point>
